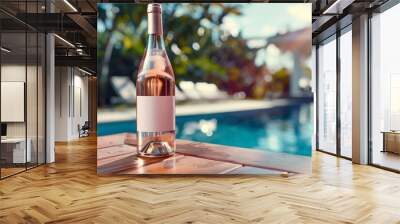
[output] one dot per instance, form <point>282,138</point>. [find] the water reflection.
<point>286,129</point>
<point>207,127</point>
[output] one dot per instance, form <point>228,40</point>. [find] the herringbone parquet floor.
<point>69,191</point>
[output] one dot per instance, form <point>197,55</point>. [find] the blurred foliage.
<point>199,49</point>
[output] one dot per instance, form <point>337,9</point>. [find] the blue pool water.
<point>284,129</point>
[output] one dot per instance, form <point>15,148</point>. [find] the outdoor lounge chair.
<point>125,88</point>
<point>189,90</point>
<point>179,96</point>
<point>210,91</point>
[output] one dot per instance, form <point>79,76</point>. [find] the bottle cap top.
<point>154,8</point>
<point>154,19</point>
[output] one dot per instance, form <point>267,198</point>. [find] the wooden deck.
<point>116,154</point>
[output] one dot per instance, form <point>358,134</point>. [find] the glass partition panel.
<point>41,99</point>
<point>346,94</point>
<point>314,87</point>
<point>385,89</point>
<point>31,97</point>
<point>41,79</point>
<point>327,96</point>
<point>14,153</point>
<point>32,8</point>
<point>22,67</point>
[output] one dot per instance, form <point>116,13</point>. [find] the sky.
<point>267,19</point>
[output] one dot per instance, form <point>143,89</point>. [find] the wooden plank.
<point>114,166</point>
<point>180,164</point>
<point>111,140</point>
<point>115,151</point>
<point>117,164</point>
<point>248,157</point>
<point>130,139</point>
<point>114,159</point>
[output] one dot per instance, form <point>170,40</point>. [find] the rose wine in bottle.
<point>155,93</point>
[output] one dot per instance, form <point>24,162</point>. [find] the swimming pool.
<point>285,129</point>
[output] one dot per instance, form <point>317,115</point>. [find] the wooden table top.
<point>117,155</point>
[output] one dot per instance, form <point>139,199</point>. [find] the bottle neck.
<point>155,41</point>
<point>154,26</point>
<point>155,31</point>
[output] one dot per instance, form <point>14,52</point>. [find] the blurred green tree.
<point>198,47</point>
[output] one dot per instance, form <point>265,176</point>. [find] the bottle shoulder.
<point>155,64</point>
<point>151,73</point>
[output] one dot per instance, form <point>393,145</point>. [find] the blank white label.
<point>155,113</point>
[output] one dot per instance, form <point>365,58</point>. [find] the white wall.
<point>62,81</point>
<point>71,94</point>
<point>82,83</point>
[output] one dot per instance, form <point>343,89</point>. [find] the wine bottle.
<point>155,93</point>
